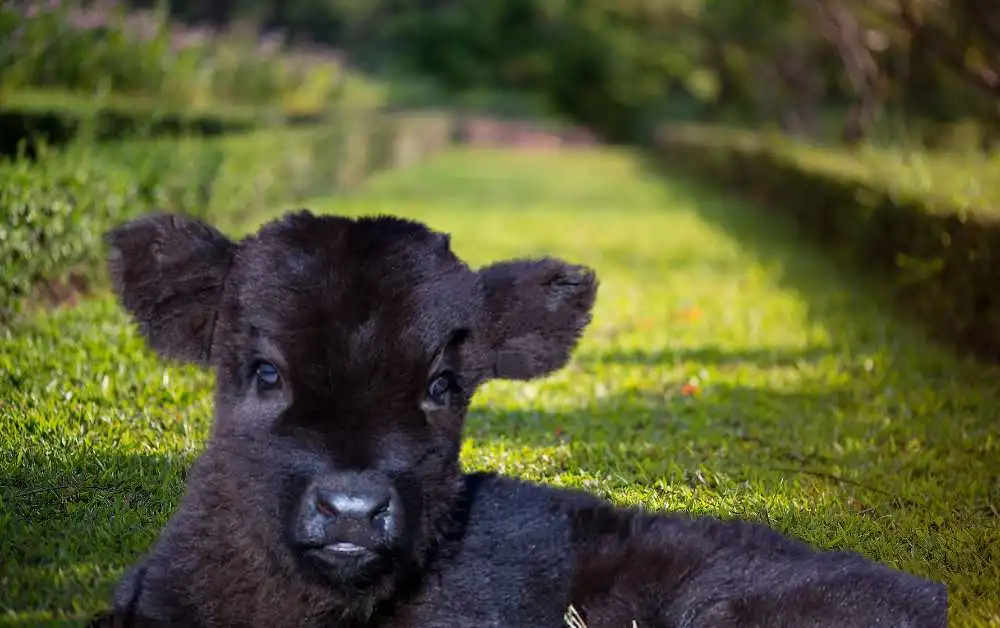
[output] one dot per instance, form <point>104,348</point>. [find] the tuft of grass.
<point>574,620</point>
<point>729,370</point>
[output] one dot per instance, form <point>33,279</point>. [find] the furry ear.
<point>536,312</point>
<point>168,272</point>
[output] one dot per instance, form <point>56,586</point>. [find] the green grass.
<point>814,411</point>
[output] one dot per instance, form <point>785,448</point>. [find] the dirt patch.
<point>67,292</point>
<point>52,294</point>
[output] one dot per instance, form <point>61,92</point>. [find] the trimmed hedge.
<point>57,128</point>
<point>60,118</point>
<point>53,211</point>
<point>940,254</point>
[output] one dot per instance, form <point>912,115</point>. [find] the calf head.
<point>346,353</point>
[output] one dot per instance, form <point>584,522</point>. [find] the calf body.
<point>329,492</point>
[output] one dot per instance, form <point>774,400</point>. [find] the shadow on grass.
<point>740,433</point>
<point>72,524</point>
<point>665,414</point>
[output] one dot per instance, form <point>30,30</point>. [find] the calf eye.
<point>266,375</point>
<point>439,388</point>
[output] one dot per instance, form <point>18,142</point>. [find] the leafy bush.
<point>934,241</point>
<point>99,46</point>
<point>53,211</point>
<point>51,216</point>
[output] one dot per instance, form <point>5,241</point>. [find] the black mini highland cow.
<point>329,493</point>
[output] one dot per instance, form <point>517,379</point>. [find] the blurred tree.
<point>619,64</point>
<point>963,35</point>
<point>840,25</point>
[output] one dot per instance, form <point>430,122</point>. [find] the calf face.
<point>346,352</point>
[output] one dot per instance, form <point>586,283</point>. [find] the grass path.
<point>728,370</point>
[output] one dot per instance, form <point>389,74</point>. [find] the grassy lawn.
<point>728,370</point>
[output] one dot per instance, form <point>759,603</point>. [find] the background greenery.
<point>799,63</point>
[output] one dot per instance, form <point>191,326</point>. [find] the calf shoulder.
<point>678,571</point>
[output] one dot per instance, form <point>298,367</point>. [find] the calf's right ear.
<point>168,272</point>
<point>537,310</point>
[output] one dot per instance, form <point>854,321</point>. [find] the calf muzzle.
<point>346,520</point>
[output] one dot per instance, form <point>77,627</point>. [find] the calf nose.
<point>357,511</point>
<point>364,504</point>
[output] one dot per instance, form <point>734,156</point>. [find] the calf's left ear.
<point>168,272</point>
<point>536,311</point>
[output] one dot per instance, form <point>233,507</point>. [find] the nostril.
<point>324,507</point>
<point>355,504</point>
<point>381,510</point>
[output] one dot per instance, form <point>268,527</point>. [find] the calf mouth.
<point>345,548</point>
<point>341,553</point>
<point>347,562</point>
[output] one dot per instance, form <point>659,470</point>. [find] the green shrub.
<point>934,243</point>
<point>95,46</point>
<point>53,211</point>
<point>51,216</point>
